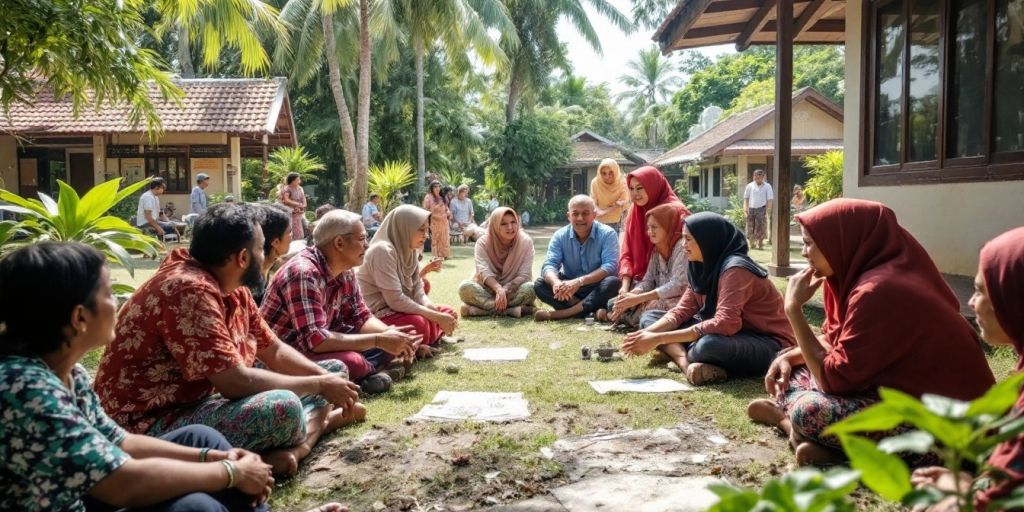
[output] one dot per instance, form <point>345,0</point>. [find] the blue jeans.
<point>745,353</point>
<point>194,436</point>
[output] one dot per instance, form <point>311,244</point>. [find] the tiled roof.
<point>244,106</point>
<point>767,146</point>
<point>729,131</point>
<point>590,148</point>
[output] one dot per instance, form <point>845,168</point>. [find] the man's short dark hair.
<point>374,196</point>
<point>222,231</point>
<point>157,182</point>
<point>323,209</point>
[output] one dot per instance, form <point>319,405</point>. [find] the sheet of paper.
<point>496,354</point>
<point>474,406</point>
<point>639,386</point>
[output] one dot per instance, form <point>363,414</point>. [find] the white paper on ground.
<point>495,354</point>
<point>639,386</point>
<point>475,406</point>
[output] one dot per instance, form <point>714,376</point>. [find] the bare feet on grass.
<point>812,454</point>
<point>343,417</point>
<point>765,412</point>
<point>282,462</point>
<point>330,507</point>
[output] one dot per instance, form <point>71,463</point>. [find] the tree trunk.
<point>359,182</point>
<point>421,158</point>
<point>513,98</point>
<point>185,54</point>
<point>348,137</point>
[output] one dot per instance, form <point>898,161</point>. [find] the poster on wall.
<point>211,166</point>
<point>133,169</point>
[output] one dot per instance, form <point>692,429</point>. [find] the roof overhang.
<point>698,23</point>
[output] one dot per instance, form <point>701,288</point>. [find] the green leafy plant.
<point>455,178</point>
<point>962,433</point>
<point>77,219</point>
<point>287,160</point>
<point>804,490</point>
<point>826,176</point>
<point>388,181</point>
<point>495,185</point>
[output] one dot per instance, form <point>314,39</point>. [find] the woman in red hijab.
<point>890,320</point>
<point>648,188</point>
<point>998,302</point>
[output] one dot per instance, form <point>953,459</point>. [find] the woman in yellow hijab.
<point>609,192</point>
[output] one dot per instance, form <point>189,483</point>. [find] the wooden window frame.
<point>183,158</point>
<point>991,166</point>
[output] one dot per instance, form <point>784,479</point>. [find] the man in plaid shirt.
<point>313,303</point>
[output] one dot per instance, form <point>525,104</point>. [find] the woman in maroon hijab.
<point>890,320</point>
<point>648,188</point>
<point>998,302</point>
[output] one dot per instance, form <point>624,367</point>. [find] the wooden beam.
<point>784,35</point>
<point>757,22</point>
<point>682,22</point>
<point>811,14</point>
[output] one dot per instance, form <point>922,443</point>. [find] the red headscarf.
<point>1002,266</point>
<point>636,246</point>
<point>890,317</point>
<point>667,216</point>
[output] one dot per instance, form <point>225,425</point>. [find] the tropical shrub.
<point>804,490</point>
<point>77,219</point>
<point>388,181</point>
<point>826,176</point>
<point>497,185</point>
<point>455,178</point>
<point>287,160</point>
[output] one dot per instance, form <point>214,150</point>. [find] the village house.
<point>934,105</point>
<point>217,123</point>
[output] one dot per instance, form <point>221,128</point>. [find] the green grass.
<point>553,380</point>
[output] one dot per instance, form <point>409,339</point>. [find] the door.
<point>28,177</point>
<point>82,176</point>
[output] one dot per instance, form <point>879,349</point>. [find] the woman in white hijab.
<point>390,281</point>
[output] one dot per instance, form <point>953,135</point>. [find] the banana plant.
<point>77,219</point>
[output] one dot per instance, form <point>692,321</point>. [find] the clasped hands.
<point>565,290</point>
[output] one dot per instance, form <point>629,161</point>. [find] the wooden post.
<point>783,138</point>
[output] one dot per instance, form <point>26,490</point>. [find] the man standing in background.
<point>757,204</point>
<point>197,201</point>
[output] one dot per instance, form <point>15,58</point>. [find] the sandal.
<point>700,374</point>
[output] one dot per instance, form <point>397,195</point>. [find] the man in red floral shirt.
<point>186,350</point>
<point>313,304</point>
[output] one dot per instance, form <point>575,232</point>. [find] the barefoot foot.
<point>282,462</point>
<point>542,315</point>
<point>340,417</point>
<point>813,454</point>
<point>765,411</point>
<point>330,507</point>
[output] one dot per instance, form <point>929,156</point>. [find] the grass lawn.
<point>396,465</point>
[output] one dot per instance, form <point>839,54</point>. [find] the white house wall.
<point>952,221</point>
<point>809,122</point>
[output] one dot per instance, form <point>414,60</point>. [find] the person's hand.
<point>395,341</point>
<point>434,266</point>
<point>447,321</point>
<point>571,287</point>
<point>159,231</point>
<point>620,202</point>
<point>776,381</point>
<point>746,212</point>
<point>638,343</point>
<point>628,301</point>
<point>338,390</point>
<point>252,477</point>
<point>559,288</point>
<point>801,288</point>
<point>940,478</point>
<point>500,300</point>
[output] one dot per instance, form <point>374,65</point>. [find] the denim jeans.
<point>194,436</point>
<point>745,353</point>
<point>593,296</point>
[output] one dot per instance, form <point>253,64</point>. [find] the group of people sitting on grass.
<point>201,396</point>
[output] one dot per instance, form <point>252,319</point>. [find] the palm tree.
<point>458,25</point>
<point>650,82</point>
<point>303,52</point>
<point>539,50</point>
<point>216,24</point>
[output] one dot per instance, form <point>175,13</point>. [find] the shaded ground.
<point>388,463</point>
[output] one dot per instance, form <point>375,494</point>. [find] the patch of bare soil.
<point>464,466</point>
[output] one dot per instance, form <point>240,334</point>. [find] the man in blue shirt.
<point>580,272</point>
<point>197,201</point>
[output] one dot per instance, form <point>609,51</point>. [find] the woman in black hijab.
<point>731,319</point>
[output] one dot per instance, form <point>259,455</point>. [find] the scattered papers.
<point>639,386</point>
<point>475,406</point>
<point>496,354</point>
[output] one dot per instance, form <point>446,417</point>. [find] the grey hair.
<point>335,223</point>
<point>759,172</point>
<point>582,199</point>
<point>462,187</point>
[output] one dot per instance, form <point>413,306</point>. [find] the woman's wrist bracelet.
<point>203,454</point>
<point>231,473</point>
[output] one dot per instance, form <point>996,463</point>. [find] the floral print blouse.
<point>55,444</point>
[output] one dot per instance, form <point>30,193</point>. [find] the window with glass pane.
<point>967,79</point>
<point>1008,116</point>
<point>889,74</point>
<point>923,99</point>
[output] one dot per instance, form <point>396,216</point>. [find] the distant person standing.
<point>608,190</point>
<point>197,201</point>
<point>292,195</point>
<point>371,215</point>
<point>757,204</point>
<point>437,205</point>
